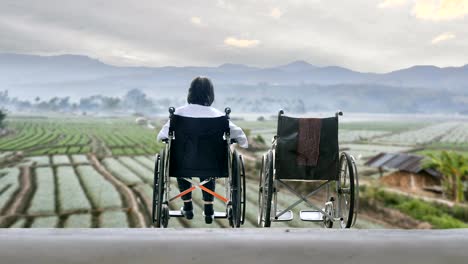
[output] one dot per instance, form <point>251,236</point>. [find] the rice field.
<point>37,136</point>
<point>431,134</point>
<point>81,173</point>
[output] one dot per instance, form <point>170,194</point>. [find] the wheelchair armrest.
<point>233,140</point>
<point>165,140</point>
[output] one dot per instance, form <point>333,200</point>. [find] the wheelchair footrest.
<point>311,216</point>
<point>287,216</point>
<point>220,215</point>
<point>175,214</point>
<point>179,214</point>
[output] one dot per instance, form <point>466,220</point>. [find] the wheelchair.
<point>199,147</point>
<point>305,150</point>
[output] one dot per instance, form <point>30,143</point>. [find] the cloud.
<point>241,43</point>
<point>196,20</point>
<point>158,34</point>
<point>437,10</point>
<point>391,3</point>
<point>443,37</point>
<point>276,13</point>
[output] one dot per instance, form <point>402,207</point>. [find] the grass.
<point>439,216</point>
<point>437,152</point>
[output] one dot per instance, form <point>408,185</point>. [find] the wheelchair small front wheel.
<point>165,215</point>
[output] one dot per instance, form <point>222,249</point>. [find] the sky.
<point>363,35</point>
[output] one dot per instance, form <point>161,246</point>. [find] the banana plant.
<point>454,168</point>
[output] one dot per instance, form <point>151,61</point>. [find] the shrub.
<point>2,117</point>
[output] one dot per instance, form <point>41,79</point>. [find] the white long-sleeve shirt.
<point>195,110</point>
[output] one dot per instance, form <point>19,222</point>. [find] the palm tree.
<point>454,168</point>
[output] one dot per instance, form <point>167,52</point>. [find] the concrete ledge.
<point>286,246</point>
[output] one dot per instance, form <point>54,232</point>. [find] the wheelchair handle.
<point>227,110</point>
<point>171,110</point>
<point>339,113</point>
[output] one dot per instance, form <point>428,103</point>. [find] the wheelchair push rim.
<point>235,210</point>
<point>260,193</point>
<point>160,213</point>
<point>347,191</point>
<point>267,191</point>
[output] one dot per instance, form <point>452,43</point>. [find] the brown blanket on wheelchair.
<point>307,148</point>
<point>308,144</point>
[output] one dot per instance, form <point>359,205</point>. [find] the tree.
<point>2,117</point>
<point>454,168</point>
<point>137,100</point>
<point>110,103</point>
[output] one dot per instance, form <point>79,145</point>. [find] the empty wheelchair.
<point>199,147</point>
<point>306,150</point>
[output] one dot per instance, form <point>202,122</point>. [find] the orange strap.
<point>191,189</point>
<point>213,193</point>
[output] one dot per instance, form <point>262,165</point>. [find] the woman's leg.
<point>208,198</point>
<point>187,198</point>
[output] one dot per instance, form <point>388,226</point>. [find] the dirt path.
<point>129,196</point>
<point>20,200</point>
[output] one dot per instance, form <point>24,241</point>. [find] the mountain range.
<point>28,76</point>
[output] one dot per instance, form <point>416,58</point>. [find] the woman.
<point>199,99</point>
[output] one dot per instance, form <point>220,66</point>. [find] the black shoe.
<point>188,214</point>
<point>209,219</point>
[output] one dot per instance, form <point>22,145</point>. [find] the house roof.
<point>402,162</point>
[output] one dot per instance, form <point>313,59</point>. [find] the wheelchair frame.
<point>235,185</point>
<point>331,211</point>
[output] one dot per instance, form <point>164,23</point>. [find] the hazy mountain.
<point>29,76</point>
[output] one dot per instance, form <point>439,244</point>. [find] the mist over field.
<point>297,87</point>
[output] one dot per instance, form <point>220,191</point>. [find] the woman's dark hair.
<point>201,92</point>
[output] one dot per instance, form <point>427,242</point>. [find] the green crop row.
<point>71,195</point>
<point>44,198</point>
<point>102,193</point>
<point>121,172</point>
<point>76,135</point>
<point>138,168</point>
<point>9,183</point>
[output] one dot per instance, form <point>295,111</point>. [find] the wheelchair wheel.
<point>267,191</point>
<point>346,190</point>
<point>236,189</point>
<point>243,191</point>
<point>158,191</point>
<point>260,193</point>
